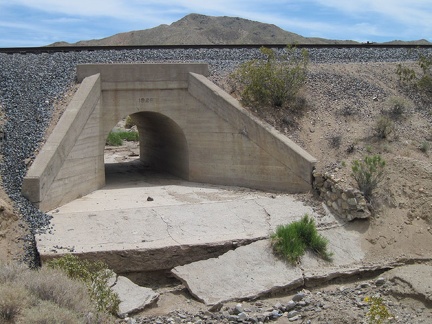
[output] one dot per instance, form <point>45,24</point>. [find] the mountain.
<point>196,29</point>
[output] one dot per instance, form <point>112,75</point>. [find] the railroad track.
<point>56,49</point>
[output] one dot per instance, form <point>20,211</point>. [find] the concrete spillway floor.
<point>143,220</point>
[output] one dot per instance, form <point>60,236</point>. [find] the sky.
<point>27,23</point>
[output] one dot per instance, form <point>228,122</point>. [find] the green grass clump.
<point>117,138</point>
<point>292,240</point>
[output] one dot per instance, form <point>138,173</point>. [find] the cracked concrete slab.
<point>184,222</point>
<point>412,280</point>
<point>247,272</point>
<point>251,271</point>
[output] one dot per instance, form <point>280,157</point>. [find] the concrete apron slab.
<point>184,222</point>
<point>252,271</point>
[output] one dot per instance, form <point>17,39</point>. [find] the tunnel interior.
<point>162,150</point>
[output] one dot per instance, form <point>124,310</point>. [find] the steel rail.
<point>57,49</point>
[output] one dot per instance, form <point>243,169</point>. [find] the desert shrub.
<point>335,141</point>
<point>384,127</point>
<point>424,147</point>
<point>117,138</point>
<point>13,300</point>
<point>95,275</point>
<point>422,81</point>
<point>378,312</point>
<point>49,313</point>
<point>56,287</point>
<point>292,240</point>
<point>396,107</point>
<point>129,123</point>
<point>368,174</point>
<point>272,81</point>
<point>10,271</point>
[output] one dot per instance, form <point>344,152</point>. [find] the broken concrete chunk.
<point>133,297</point>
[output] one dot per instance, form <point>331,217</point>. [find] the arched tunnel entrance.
<point>161,149</point>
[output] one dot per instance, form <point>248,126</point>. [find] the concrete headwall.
<point>187,126</point>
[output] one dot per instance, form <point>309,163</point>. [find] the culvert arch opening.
<point>160,148</point>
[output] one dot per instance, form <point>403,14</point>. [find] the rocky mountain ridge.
<point>196,29</point>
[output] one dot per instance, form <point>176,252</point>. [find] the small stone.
<point>216,308</point>
<point>380,281</point>
<point>275,314</point>
<point>149,198</point>
<point>290,305</point>
<point>299,296</point>
<point>293,313</point>
<point>242,316</point>
<point>293,319</point>
<point>238,309</point>
<point>278,306</point>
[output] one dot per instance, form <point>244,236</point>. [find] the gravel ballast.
<point>31,83</point>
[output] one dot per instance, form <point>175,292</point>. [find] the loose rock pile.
<point>345,304</point>
<point>30,85</point>
<point>346,202</point>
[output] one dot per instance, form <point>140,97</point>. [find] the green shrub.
<point>114,139</point>
<point>384,127</point>
<point>422,81</point>
<point>117,138</point>
<point>274,80</point>
<point>291,240</point>
<point>368,174</point>
<point>95,275</point>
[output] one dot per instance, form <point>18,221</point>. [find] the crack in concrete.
<point>268,216</point>
<point>167,226</point>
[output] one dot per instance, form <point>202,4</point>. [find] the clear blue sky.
<point>42,22</point>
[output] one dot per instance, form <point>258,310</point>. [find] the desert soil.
<point>336,125</point>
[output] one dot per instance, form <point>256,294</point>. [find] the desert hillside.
<point>195,29</point>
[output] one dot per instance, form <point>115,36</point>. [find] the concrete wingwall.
<point>70,164</point>
<point>187,126</point>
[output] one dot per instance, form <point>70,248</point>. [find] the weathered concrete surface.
<point>187,126</point>
<point>412,280</point>
<point>133,297</point>
<point>251,271</point>
<point>247,272</point>
<point>185,222</point>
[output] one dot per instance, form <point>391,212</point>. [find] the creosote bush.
<point>292,240</point>
<point>422,81</point>
<point>384,127</point>
<point>368,174</point>
<point>95,275</point>
<point>273,81</point>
